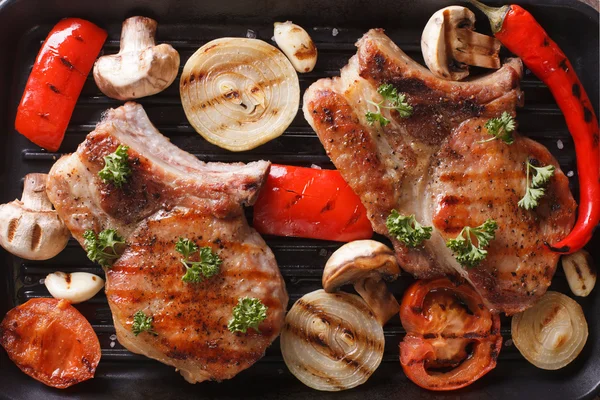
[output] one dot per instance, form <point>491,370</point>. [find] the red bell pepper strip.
<point>56,80</point>
<point>310,203</point>
<point>442,321</point>
<point>518,30</point>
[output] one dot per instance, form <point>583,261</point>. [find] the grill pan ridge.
<point>187,25</point>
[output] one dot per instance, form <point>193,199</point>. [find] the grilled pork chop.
<point>432,165</point>
<point>171,194</point>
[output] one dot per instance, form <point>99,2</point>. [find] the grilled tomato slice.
<point>51,341</point>
<point>451,340</point>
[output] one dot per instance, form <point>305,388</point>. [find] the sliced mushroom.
<point>366,264</point>
<point>30,228</point>
<point>449,44</point>
<point>140,68</point>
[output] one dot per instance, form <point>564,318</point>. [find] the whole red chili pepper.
<point>520,33</point>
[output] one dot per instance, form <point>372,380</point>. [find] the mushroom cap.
<point>360,260</point>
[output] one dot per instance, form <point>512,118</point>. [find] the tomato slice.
<point>51,341</point>
<point>310,203</point>
<point>452,339</point>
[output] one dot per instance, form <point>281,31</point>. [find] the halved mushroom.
<point>449,44</point>
<point>30,228</point>
<point>140,68</point>
<point>367,265</point>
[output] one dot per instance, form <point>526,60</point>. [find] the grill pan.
<point>334,26</point>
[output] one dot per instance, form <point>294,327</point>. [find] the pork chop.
<point>432,165</point>
<point>171,194</point>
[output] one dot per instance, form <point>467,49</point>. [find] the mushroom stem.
<point>137,34</point>
<point>495,14</point>
<point>34,193</point>
<point>476,49</point>
<point>379,299</point>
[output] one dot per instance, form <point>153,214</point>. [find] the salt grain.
<point>250,34</point>
<point>508,343</point>
<point>112,344</point>
<point>113,337</point>
<point>334,32</point>
<point>560,144</point>
<point>272,38</point>
<point>42,281</point>
<point>570,174</point>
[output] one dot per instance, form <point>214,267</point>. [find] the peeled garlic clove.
<point>580,271</point>
<point>297,45</point>
<point>75,288</point>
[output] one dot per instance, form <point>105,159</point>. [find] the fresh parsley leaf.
<point>465,251</point>
<point>142,323</point>
<point>102,248</point>
<point>535,188</point>
<point>248,313</point>
<point>501,128</point>
<point>396,101</point>
<point>116,167</point>
<point>407,229</point>
<point>197,271</point>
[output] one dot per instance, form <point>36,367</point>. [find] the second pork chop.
<point>170,195</point>
<point>431,165</point>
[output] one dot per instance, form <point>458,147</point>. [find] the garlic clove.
<point>76,287</point>
<point>580,272</point>
<point>297,45</point>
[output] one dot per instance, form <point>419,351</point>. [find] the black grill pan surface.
<point>335,26</point>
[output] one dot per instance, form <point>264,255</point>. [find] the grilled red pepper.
<point>310,203</point>
<point>56,80</point>
<point>451,338</point>
<point>522,34</point>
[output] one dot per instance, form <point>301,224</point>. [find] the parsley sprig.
<point>248,313</point>
<point>197,271</point>
<point>500,128</point>
<point>103,248</point>
<point>540,176</point>
<point>406,229</point>
<point>142,323</point>
<point>465,251</point>
<point>116,167</point>
<point>395,101</point>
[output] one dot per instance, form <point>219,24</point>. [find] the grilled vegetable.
<point>75,287</point>
<point>142,323</point>
<point>196,271</point>
<point>450,44</point>
<point>141,68</point>
<point>248,313</point>
<point>310,203</point>
<point>466,252</point>
<point>56,80</point>
<point>30,228</point>
<point>451,339</point>
<point>239,93</point>
<point>552,333</point>
<point>521,34</point>
<point>49,340</point>
<point>580,271</point>
<point>331,341</point>
<point>296,44</point>
<point>407,230</point>
<point>540,176</point>
<point>392,100</point>
<point>116,167</point>
<point>103,248</point>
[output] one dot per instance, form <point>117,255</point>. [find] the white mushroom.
<point>75,288</point>
<point>140,68</point>
<point>367,264</point>
<point>297,45</point>
<point>449,44</point>
<point>30,228</point>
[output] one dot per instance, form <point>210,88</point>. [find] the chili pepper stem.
<point>495,14</point>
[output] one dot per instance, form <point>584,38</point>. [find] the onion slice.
<point>332,341</point>
<point>552,333</point>
<point>239,93</point>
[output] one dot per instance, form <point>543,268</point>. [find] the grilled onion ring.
<point>239,93</point>
<point>332,341</point>
<point>552,333</point>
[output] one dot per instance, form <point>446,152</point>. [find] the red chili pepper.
<point>443,321</point>
<point>518,30</point>
<point>56,80</point>
<point>310,203</point>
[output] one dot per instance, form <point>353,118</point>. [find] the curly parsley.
<point>465,251</point>
<point>197,271</point>
<point>396,101</point>
<point>407,229</point>
<point>142,323</point>
<point>500,128</point>
<point>248,313</point>
<point>116,167</point>
<point>103,248</point>
<point>535,188</point>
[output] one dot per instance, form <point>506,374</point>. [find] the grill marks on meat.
<point>430,165</point>
<point>171,194</point>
